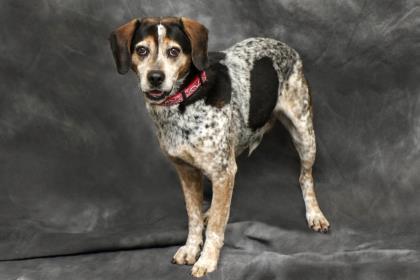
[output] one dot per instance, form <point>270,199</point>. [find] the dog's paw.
<point>203,266</point>
<point>318,222</point>
<point>186,255</point>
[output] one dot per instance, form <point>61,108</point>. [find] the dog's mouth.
<point>156,95</point>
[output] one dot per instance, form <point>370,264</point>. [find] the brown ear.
<point>120,40</point>
<point>198,35</point>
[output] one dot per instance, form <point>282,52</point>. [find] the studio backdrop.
<point>85,192</point>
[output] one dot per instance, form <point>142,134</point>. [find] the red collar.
<point>182,95</point>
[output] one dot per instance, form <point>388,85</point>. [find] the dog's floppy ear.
<point>120,40</point>
<point>198,36</point>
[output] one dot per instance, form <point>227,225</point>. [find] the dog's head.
<point>161,51</point>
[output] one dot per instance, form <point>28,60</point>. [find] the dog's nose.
<point>156,77</point>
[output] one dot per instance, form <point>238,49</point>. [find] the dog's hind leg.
<point>191,181</point>
<point>294,110</point>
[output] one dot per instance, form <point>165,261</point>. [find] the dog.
<point>208,107</point>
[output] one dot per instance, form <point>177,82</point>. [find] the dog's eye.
<point>173,52</point>
<point>142,51</point>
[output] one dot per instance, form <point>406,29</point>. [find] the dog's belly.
<point>250,139</point>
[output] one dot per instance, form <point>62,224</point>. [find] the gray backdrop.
<point>81,173</point>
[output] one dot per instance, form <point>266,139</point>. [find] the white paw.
<point>203,266</point>
<point>186,255</point>
<point>318,222</point>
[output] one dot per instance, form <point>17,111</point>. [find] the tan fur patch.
<point>135,58</point>
<point>184,68</point>
<point>191,182</point>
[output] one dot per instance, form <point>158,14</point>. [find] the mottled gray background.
<point>81,170</point>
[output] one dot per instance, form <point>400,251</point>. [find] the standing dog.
<point>209,107</point>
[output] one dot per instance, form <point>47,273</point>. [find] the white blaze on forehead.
<point>161,30</point>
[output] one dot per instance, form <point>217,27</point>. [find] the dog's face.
<point>161,51</point>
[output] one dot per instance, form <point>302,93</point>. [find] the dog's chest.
<point>200,130</point>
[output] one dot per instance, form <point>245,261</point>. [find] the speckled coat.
<point>210,137</point>
<point>249,86</point>
<point>207,130</point>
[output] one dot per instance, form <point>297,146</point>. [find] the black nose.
<point>156,77</point>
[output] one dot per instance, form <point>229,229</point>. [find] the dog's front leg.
<point>191,181</point>
<point>222,182</point>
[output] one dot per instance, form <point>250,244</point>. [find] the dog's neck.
<point>200,93</point>
<point>180,96</point>
<point>215,92</point>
